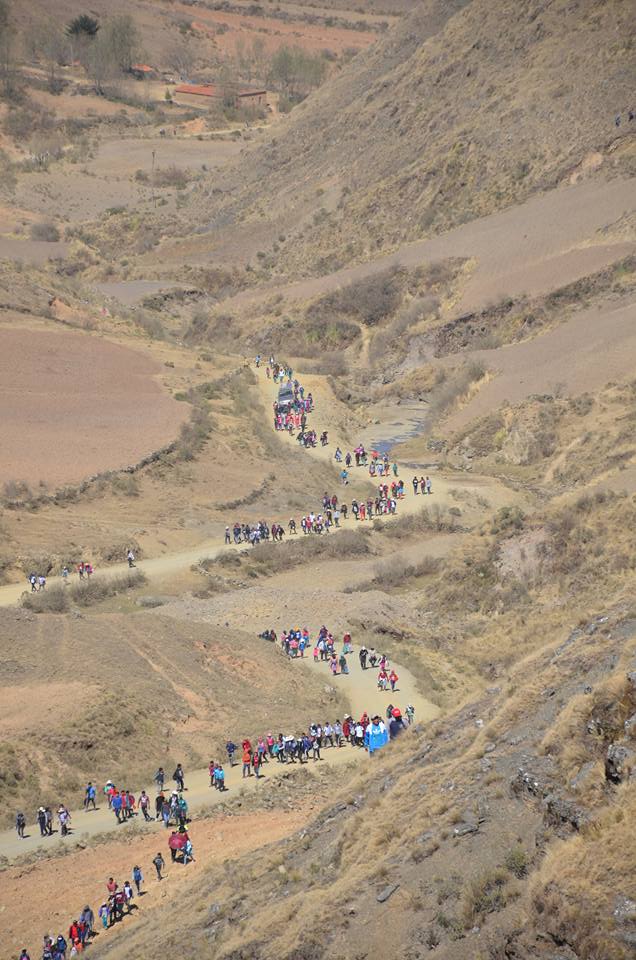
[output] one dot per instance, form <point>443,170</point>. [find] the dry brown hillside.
<point>462,109</point>
<point>440,240</point>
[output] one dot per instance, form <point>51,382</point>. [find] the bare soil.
<point>74,405</point>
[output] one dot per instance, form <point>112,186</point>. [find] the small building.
<point>142,71</point>
<point>203,93</point>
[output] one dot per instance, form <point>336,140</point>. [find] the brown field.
<point>274,33</point>
<point>73,406</point>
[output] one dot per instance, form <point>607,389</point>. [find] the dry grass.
<point>484,894</point>
<point>429,519</point>
<point>397,572</point>
<point>58,599</point>
<point>574,893</point>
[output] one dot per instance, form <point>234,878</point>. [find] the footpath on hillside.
<point>162,568</point>
<point>361,690</point>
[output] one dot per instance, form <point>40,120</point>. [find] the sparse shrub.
<point>44,230</point>
<point>517,861</point>
<point>453,387</point>
<point>149,323</point>
<point>16,490</point>
<point>429,519</point>
<point>126,484</point>
<point>22,122</point>
<point>100,588</point>
<point>370,300</point>
<point>507,519</point>
<point>172,176</point>
<point>483,895</point>
<point>52,600</point>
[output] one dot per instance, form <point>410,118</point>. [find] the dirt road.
<point>162,569</point>
<point>362,694</point>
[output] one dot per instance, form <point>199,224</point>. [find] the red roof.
<point>142,68</point>
<point>199,90</point>
<point>213,90</point>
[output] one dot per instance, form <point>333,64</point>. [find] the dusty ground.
<point>599,344</point>
<point>53,899</point>
<point>72,405</point>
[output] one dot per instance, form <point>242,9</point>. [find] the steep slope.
<point>500,831</point>
<point>461,110</point>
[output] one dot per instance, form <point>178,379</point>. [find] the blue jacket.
<point>375,736</point>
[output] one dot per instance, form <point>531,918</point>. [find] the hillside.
<point>430,218</point>
<point>464,108</point>
<point>502,829</point>
<point>111,695</point>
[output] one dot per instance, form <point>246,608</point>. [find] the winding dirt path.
<point>163,568</point>
<point>362,694</point>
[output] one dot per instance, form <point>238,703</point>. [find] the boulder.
<point>620,763</point>
<point>465,829</point>
<point>387,892</point>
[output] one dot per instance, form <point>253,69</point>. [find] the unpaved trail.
<point>162,569</point>
<point>362,693</point>
<point>532,248</point>
<point>57,889</point>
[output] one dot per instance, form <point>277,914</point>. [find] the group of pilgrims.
<point>369,732</point>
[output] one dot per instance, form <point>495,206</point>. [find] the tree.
<point>296,72</point>
<point>124,40</point>
<point>81,31</point>
<point>113,51</point>
<point>49,43</point>
<point>179,58</point>
<point>7,48</point>
<point>83,26</point>
<point>100,63</point>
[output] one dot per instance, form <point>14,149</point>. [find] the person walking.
<point>87,918</point>
<point>89,796</point>
<point>138,878</point>
<point>178,777</point>
<point>64,818</point>
<point>159,779</point>
<point>20,824</point>
<point>42,821</point>
<point>160,864</point>
<point>247,762</point>
<point>144,804</point>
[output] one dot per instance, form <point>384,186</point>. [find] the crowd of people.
<point>37,581</point>
<point>369,732</point>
